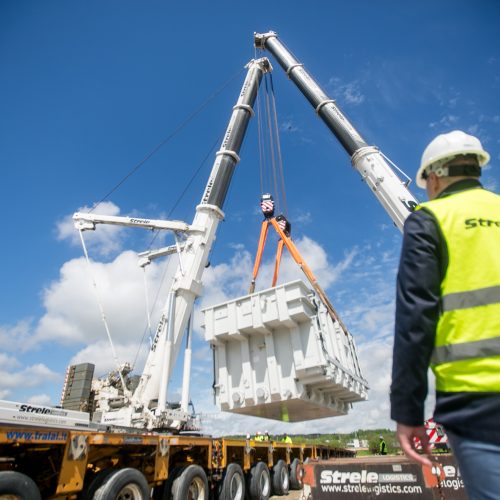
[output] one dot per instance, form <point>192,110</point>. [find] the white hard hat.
<point>445,147</point>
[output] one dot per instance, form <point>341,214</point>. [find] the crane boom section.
<point>194,256</point>
<point>367,160</point>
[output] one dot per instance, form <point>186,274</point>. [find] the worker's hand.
<point>405,435</point>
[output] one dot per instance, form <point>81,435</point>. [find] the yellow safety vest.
<point>466,356</point>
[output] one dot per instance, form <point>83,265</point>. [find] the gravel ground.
<point>293,495</point>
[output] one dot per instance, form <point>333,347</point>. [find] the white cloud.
<point>101,355</point>
<point>104,241</point>
<point>8,362</point>
<point>29,377</point>
<point>350,91</point>
<point>16,338</point>
<point>72,307</point>
<point>40,399</point>
<point>289,126</point>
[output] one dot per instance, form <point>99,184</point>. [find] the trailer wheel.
<point>280,481</point>
<point>123,484</point>
<point>260,482</point>
<point>164,491</point>
<point>19,486</point>
<point>192,484</point>
<point>232,486</point>
<point>296,475</point>
<point>93,482</point>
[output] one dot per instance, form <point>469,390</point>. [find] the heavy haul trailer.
<point>126,450</point>
<point>55,463</point>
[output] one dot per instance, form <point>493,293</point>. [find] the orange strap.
<point>307,271</point>
<point>294,252</point>
<point>279,253</point>
<point>260,250</point>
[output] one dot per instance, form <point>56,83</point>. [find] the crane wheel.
<point>296,475</point>
<point>125,483</point>
<point>232,486</point>
<point>18,485</point>
<point>259,482</point>
<point>191,484</point>
<point>280,481</point>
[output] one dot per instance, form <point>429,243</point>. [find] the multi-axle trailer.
<point>44,462</point>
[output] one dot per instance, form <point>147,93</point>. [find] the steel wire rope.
<point>281,174</point>
<point>167,139</point>
<point>103,314</point>
<point>260,144</point>
<point>271,148</point>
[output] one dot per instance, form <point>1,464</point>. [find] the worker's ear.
<point>431,185</point>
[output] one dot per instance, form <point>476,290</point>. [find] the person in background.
<point>286,438</point>
<point>382,447</point>
<point>266,436</point>
<point>448,313</point>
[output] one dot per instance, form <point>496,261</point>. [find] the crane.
<point>147,407</point>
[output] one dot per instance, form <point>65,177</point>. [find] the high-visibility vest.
<point>466,355</point>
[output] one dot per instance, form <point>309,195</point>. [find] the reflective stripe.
<point>474,298</point>
<point>466,350</point>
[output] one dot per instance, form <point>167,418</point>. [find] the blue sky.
<point>88,89</point>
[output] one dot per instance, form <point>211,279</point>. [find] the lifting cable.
<point>270,159</point>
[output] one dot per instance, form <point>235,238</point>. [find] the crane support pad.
<point>279,355</point>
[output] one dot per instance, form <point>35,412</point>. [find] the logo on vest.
<point>470,223</point>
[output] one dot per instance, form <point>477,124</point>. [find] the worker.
<point>266,436</point>
<point>286,438</point>
<point>258,436</point>
<point>448,313</point>
<point>382,447</point>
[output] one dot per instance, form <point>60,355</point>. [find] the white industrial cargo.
<point>278,354</point>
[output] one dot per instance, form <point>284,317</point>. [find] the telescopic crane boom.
<point>147,406</point>
<point>371,164</point>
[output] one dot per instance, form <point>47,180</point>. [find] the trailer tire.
<point>164,491</point>
<point>280,480</point>
<point>259,482</point>
<point>20,485</point>
<point>232,486</point>
<point>92,483</point>
<point>192,484</point>
<point>296,475</point>
<point>123,484</point>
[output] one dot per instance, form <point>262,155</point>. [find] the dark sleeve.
<point>417,312</point>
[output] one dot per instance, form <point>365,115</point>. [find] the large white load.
<point>280,355</point>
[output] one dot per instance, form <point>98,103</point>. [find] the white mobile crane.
<point>147,407</point>
<point>85,458</point>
